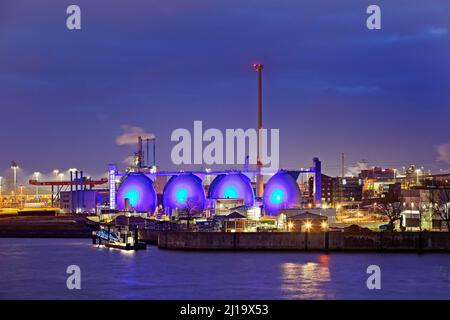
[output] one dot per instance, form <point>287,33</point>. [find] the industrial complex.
<point>227,200</point>
<point>244,200</point>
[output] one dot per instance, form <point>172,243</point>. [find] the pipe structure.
<point>81,191</point>
<point>76,192</point>
<point>259,178</point>
<point>89,183</point>
<point>71,191</point>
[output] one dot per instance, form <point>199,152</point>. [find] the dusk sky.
<point>330,84</point>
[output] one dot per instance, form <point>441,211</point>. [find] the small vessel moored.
<point>124,239</point>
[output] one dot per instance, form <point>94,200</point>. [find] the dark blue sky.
<point>331,85</point>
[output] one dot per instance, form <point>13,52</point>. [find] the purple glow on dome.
<point>280,192</point>
<point>232,186</point>
<point>184,190</point>
<point>138,188</point>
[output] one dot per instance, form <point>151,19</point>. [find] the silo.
<point>137,192</point>
<point>184,191</point>
<point>281,192</point>
<point>233,185</point>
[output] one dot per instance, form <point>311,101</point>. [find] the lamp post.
<point>56,172</point>
<point>21,194</point>
<point>36,175</point>
<point>61,177</point>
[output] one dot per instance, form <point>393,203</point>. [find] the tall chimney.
<point>259,178</point>
<point>154,152</point>
<point>140,152</point>
<point>147,155</point>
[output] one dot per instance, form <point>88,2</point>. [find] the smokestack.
<point>147,158</point>
<point>76,192</point>
<point>71,191</point>
<point>154,152</point>
<point>81,191</point>
<point>259,179</point>
<point>139,160</point>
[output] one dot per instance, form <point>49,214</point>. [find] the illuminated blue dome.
<point>138,188</point>
<point>232,186</point>
<point>280,192</point>
<point>184,190</point>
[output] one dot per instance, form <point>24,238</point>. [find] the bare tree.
<point>392,210</point>
<point>440,205</point>
<point>192,207</point>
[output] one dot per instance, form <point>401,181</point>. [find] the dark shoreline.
<point>79,227</point>
<point>45,227</point>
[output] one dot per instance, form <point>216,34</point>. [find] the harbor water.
<point>36,269</point>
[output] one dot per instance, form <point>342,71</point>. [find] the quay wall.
<point>320,241</point>
<point>148,236</point>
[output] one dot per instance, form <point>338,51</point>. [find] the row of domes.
<point>186,191</point>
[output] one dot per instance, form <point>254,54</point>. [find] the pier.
<point>125,240</point>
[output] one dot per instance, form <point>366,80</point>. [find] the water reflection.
<point>306,280</point>
<point>36,269</point>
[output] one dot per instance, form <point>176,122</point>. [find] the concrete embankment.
<point>148,236</point>
<point>322,241</point>
<point>44,227</point>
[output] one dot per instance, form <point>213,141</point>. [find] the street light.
<point>56,172</point>
<point>308,226</point>
<point>290,225</point>
<point>36,174</point>
<point>61,176</point>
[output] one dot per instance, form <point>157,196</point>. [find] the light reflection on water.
<point>36,269</point>
<point>306,280</point>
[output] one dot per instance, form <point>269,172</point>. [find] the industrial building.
<point>144,189</point>
<point>184,191</point>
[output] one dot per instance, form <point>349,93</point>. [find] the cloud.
<point>130,135</point>
<point>355,170</point>
<point>443,152</point>
<point>430,32</point>
<point>437,31</point>
<point>358,89</point>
